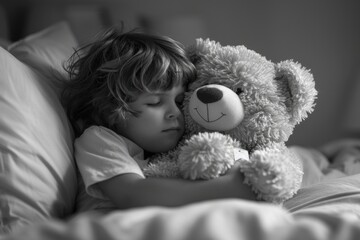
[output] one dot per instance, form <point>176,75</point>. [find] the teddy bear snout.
<point>216,107</point>
<point>209,95</point>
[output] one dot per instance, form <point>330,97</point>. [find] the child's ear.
<point>296,84</point>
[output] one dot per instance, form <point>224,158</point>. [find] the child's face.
<point>160,123</point>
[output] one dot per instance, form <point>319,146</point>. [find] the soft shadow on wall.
<point>322,35</point>
<point>88,18</point>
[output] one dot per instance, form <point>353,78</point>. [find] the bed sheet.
<point>325,210</point>
<point>225,219</point>
<point>326,207</point>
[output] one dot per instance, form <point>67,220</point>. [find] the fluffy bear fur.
<point>258,112</point>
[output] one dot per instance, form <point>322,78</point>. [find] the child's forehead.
<point>175,89</point>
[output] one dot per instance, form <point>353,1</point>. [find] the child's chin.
<point>166,147</point>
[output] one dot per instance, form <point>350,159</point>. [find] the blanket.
<point>225,219</point>
<point>326,207</point>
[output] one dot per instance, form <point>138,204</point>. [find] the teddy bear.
<point>241,107</point>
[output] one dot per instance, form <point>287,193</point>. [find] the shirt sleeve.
<point>100,155</point>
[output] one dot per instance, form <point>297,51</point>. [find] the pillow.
<point>37,170</point>
<point>47,49</point>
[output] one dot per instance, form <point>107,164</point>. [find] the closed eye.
<point>153,104</point>
<point>153,101</point>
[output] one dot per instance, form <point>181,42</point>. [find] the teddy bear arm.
<point>275,175</point>
<point>206,155</point>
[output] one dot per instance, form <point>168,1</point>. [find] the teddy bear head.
<point>240,93</point>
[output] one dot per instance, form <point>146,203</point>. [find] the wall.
<point>322,35</point>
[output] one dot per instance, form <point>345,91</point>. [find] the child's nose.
<point>173,112</point>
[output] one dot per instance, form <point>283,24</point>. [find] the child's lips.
<point>176,129</point>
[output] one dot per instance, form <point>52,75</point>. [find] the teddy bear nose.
<point>209,95</point>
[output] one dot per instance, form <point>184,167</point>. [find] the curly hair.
<point>107,74</point>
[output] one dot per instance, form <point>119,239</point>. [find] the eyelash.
<point>153,104</point>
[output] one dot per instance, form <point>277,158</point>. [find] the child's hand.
<point>235,167</point>
<point>236,181</point>
<point>235,172</point>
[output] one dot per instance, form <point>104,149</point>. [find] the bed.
<point>38,178</point>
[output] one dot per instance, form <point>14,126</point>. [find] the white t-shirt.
<point>101,154</point>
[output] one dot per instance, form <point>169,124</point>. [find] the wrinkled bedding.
<point>225,219</point>
<point>326,207</point>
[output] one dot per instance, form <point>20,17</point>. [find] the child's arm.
<point>131,190</point>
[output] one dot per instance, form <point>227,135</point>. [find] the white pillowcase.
<point>47,49</point>
<point>37,170</point>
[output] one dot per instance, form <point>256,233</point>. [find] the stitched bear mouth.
<point>207,118</point>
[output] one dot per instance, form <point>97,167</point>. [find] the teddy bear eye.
<point>238,91</point>
<point>279,77</point>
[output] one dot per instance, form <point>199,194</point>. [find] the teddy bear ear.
<point>193,55</point>
<point>202,48</point>
<point>297,87</point>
